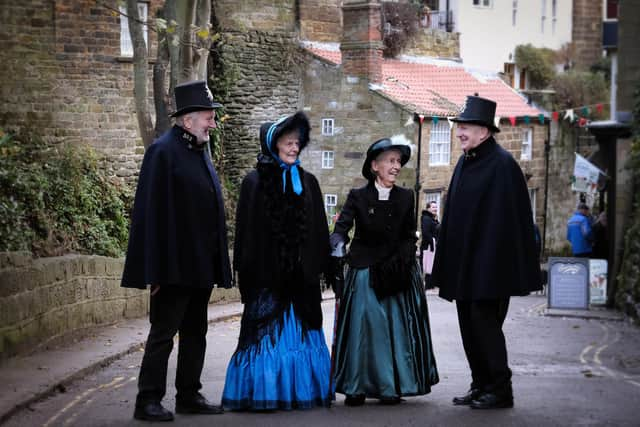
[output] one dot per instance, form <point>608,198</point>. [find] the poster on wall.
<point>585,176</point>
<point>597,281</point>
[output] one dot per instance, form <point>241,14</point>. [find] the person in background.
<point>430,227</point>
<point>383,342</point>
<point>486,251</point>
<point>579,232</point>
<point>281,247</point>
<point>178,247</point>
<point>600,237</point>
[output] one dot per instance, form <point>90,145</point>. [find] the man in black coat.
<point>486,251</point>
<point>178,247</point>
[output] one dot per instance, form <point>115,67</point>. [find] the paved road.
<point>567,371</point>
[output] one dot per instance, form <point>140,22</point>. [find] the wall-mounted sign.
<point>598,281</point>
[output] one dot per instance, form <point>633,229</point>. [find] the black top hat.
<point>478,111</point>
<point>193,96</point>
<point>380,146</point>
<point>271,131</point>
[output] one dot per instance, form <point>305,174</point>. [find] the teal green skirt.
<point>383,347</point>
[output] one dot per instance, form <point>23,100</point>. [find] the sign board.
<point>598,281</point>
<point>569,283</point>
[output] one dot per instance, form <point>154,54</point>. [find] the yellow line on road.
<point>584,353</point>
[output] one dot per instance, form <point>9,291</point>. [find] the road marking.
<point>584,353</point>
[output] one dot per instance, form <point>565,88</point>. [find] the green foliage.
<point>539,63</point>
<point>400,23</point>
<point>56,200</point>
<point>576,88</point>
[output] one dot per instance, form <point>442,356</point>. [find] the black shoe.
<point>197,405</point>
<point>493,401</point>
<point>357,400</point>
<point>152,411</point>
<point>471,395</point>
<point>390,400</point>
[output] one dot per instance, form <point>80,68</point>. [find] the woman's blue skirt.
<point>383,346</point>
<point>287,370</point>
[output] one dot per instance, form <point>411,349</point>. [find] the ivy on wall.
<point>628,292</point>
<point>538,62</point>
<point>56,200</point>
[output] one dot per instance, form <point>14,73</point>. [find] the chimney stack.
<point>361,44</point>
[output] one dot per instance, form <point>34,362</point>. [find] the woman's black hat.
<point>193,96</point>
<point>271,131</point>
<point>380,146</point>
<point>478,111</point>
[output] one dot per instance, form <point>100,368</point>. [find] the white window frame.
<point>126,47</point>
<point>532,200</point>
<point>328,158</point>
<point>440,144</point>
<point>327,127</point>
<point>330,205</point>
<point>434,196</point>
<point>527,144</point>
<point>482,3</point>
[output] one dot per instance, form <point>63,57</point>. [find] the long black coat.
<point>430,227</point>
<point>486,244</point>
<point>178,235</point>
<point>382,227</point>
<point>255,255</point>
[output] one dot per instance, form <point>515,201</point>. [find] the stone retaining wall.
<point>47,299</point>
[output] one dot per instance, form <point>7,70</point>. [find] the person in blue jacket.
<point>579,232</point>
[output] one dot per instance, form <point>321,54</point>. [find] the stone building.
<point>67,76</point>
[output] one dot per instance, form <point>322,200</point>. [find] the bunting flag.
<point>555,116</point>
<point>450,122</point>
<point>585,111</point>
<point>512,119</point>
<point>435,119</point>
<point>569,115</point>
<point>541,118</point>
<point>599,108</point>
<point>526,120</point>
<point>582,121</point>
<point>496,121</point>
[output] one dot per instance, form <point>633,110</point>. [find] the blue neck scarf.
<point>293,168</point>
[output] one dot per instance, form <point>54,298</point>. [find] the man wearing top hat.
<point>486,251</point>
<point>178,247</point>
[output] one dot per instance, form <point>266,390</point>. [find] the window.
<point>327,160</point>
<point>532,199</point>
<point>330,203</point>
<point>327,126</point>
<point>440,144</point>
<point>612,9</point>
<point>433,197</point>
<point>527,144</point>
<point>554,16</point>
<point>514,12</point>
<point>482,3</point>
<point>126,48</point>
<point>543,15</point>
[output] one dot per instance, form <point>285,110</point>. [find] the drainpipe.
<point>547,150</point>
<point>419,118</point>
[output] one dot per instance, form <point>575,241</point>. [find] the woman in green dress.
<point>383,346</point>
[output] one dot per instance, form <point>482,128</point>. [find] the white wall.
<point>488,37</point>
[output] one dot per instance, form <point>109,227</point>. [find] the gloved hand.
<point>335,275</point>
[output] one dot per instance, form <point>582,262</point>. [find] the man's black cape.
<point>178,235</point>
<point>486,246</point>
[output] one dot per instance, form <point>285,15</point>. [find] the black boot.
<point>152,411</point>
<point>471,395</point>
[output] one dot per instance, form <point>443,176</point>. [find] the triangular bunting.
<point>450,122</point>
<point>512,119</point>
<point>496,121</point>
<point>585,111</point>
<point>526,120</point>
<point>435,119</point>
<point>569,115</point>
<point>541,118</point>
<point>599,108</point>
<point>555,115</point>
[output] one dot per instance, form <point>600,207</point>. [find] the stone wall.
<point>64,79</point>
<point>434,43</point>
<point>45,300</point>
<point>587,32</point>
<point>320,20</point>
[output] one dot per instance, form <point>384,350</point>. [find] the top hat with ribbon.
<point>193,96</point>
<point>381,146</point>
<point>478,111</point>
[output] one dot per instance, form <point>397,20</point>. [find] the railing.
<point>437,20</point>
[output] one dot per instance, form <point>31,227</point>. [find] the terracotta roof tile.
<point>440,90</point>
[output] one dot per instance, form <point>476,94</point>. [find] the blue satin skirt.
<point>383,347</point>
<point>291,371</point>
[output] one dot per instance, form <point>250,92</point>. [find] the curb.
<point>63,383</point>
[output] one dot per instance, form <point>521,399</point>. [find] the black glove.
<point>335,275</point>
